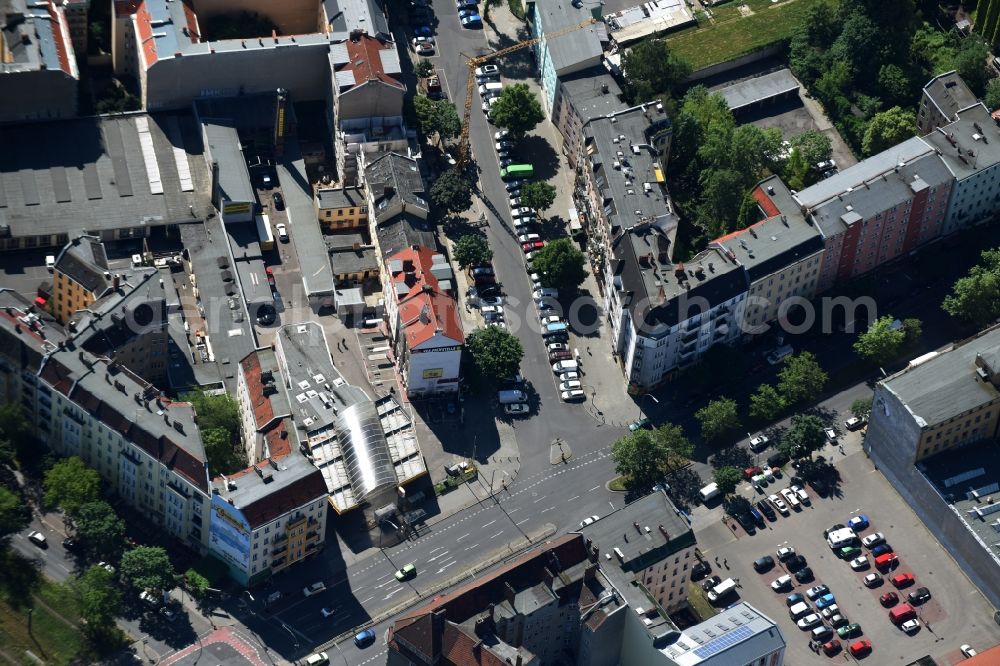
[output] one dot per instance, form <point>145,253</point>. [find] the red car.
<point>902,580</point>
<point>531,246</point>
<point>889,599</point>
<point>861,648</point>
<point>885,560</point>
<point>270,275</point>
<point>751,472</point>
<point>831,647</point>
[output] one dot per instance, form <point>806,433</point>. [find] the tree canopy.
<point>813,145</point>
<point>727,478</point>
<point>100,600</point>
<point>452,192</point>
<point>801,379</point>
<point>537,195</point>
<point>14,514</point>
<point>992,97</point>
<point>436,117</point>
<point>560,264</point>
<point>639,457</point>
<point>517,110</point>
<point>217,410</point>
<point>887,128</point>
<point>766,403</point>
<point>70,484</point>
<point>861,408</point>
<point>804,436</point>
<point>472,250</point>
<point>882,342</point>
<point>423,68</point>
<point>16,438</point>
<point>651,70</point>
<point>148,568</point>
<point>975,298</point>
<point>495,352</point>
<point>718,418</point>
<point>100,530</point>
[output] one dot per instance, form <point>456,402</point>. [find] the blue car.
<point>464,13</point>
<point>422,31</point>
<point>825,600</point>
<point>365,638</point>
<point>474,21</point>
<point>858,523</point>
<point>881,549</point>
<point>793,599</point>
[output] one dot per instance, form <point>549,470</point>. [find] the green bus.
<point>517,171</point>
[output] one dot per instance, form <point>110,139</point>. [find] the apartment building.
<point>550,605</point>
<point>940,402</point>
<point>38,70</point>
<point>782,255</point>
<point>352,258</point>
<point>941,100</point>
<point>580,97</point>
<point>424,322</point>
<point>397,204</point>
<point>80,276</point>
<point>341,209</point>
<point>573,50</point>
<point>969,147</point>
<point>652,546</point>
<point>78,18</point>
<point>878,210</point>
<point>264,407</point>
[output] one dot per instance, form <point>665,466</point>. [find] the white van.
<point>545,292</point>
<point>798,610</point>
<point>840,538</point>
<point>50,262</point>
<point>490,89</point>
<point>722,589</point>
<point>709,491</point>
<point>560,367</point>
<point>317,659</point>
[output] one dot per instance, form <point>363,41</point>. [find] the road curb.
<point>525,543</point>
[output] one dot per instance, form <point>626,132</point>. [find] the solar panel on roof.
<point>60,184</point>
<point>149,155</point>
<point>722,642</point>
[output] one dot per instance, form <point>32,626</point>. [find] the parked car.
<point>782,583</point>
<point>793,599</point>
<point>831,647</point>
<point>795,563</point>
<point>873,580</point>
<point>881,549</point>
<point>700,570</point>
<point>859,563</point>
<point>710,582</point>
<point>779,503</point>
<point>826,600</point>
<point>910,626</point>
<point>861,648</point>
<point>589,521</point>
<point>759,442</point>
<point>849,630</point>
<point>762,564</point>
<point>575,395</point>
<point>639,424</point>
<point>38,539</point>
<point>785,553</point>
<point>873,540</point>
<point>570,386</point>
<point>854,423</point>
<point>765,507</point>
<point>968,651</point>
<point>800,493</point>
<point>809,621</point>
<point>830,611</point>
<point>473,21</point>
<point>919,596</point>
<point>804,575</point>
<point>902,580</point>
<point>848,552</point>
<point>889,599</point>
<point>279,201</point>
<point>317,659</point>
<point>831,435</point>
<point>858,523</point>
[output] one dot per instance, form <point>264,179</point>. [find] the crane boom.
<point>470,85</point>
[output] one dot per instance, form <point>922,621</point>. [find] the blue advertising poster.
<point>229,534</point>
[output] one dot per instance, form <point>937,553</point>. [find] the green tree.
<point>221,451</point>
<point>975,298</point>
<point>70,484</point>
<point>436,117</point>
<point>970,63</point>
<point>804,436</point>
<point>118,100</point>
<point>196,584</point>
<point>895,84</point>
<point>678,447</point>
<point>992,97</point>
<point>495,352</point>
<point>652,69</point>
<point>639,457</point>
<point>452,192</point>
<point>561,264</point>
<point>888,128</point>
<point>717,418</point>
<point>537,195</point>
<point>16,435</point>
<point>861,408</point>
<point>423,68</point>
<point>217,410</point>
<point>517,110</point>
<point>472,250</point>
<point>100,601</point>
<point>727,478</point>
<point>814,146</point>
<point>801,379</point>
<point>766,403</point>
<point>913,328</point>
<point>881,342</point>
<point>100,530</point>
<point>14,514</point>
<point>148,568</point>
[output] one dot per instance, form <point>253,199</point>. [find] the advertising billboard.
<point>229,534</point>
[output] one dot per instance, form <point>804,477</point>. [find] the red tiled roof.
<point>279,442</point>
<point>137,9</point>
<point>366,62</point>
<point>424,310</point>
<point>770,210</point>
<point>57,376</point>
<point>192,22</point>
<point>262,410</point>
<point>461,649</point>
<point>61,38</point>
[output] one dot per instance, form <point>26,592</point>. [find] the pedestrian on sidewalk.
<point>725,563</point>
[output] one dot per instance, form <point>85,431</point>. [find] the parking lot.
<point>956,614</point>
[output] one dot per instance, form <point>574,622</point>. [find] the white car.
<point>830,611</point>
<point>514,202</point>
<point>800,493</point>
<point>872,580</point>
<point>968,650</point>
<point>497,324</point>
<point>423,40</point>
<point>315,588</point>
<point>327,612</point>
<point>589,521</point>
<point>569,376</point>
<point>831,436</point>
<point>791,498</point>
<point>556,347</point>
<point>516,408</point>
<point>785,553</point>
<point>759,442</point>
<point>524,238</point>
<point>424,49</point>
<point>523,212</point>
<point>107,567</point>
<point>491,309</point>
<point>487,70</point>
<point>859,563</point>
<point>873,540</point>
<point>779,504</point>
<point>572,396</point>
<point>781,583</point>
<point>570,385</point>
<point>502,134</point>
<point>910,626</point>
<point>282,232</point>
<point>551,319</point>
<point>854,423</point>
<point>809,621</point>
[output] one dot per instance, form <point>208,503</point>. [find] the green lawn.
<point>51,639</point>
<point>698,602</point>
<point>733,35</point>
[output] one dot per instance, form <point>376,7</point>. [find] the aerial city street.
<point>477,332</point>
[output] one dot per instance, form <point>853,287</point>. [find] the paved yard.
<point>956,614</point>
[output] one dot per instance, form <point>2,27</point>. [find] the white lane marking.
<point>497,534</point>
<point>437,556</point>
<point>513,510</point>
<point>539,499</point>
<point>573,498</point>
<point>441,570</point>
<point>367,600</point>
<point>593,489</point>
<point>548,509</point>
<point>489,523</point>
<point>523,521</point>
<point>475,545</point>
<point>462,537</point>
<point>379,587</point>
<point>393,593</point>
<point>435,550</point>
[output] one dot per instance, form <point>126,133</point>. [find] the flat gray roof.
<point>968,145</point>
<point>340,197</point>
<point>94,174</point>
<point>759,89</point>
<point>346,16</point>
<point>225,149</point>
<point>586,90</point>
<point>947,384</point>
<point>949,94</point>
<point>575,46</point>
<point>303,229</point>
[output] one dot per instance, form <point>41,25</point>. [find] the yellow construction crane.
<point>478,61</point>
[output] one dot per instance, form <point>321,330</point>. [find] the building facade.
<point>341,209</point>
<point>581,97</point>
<point>941,100</point>
<point>577,46</point>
